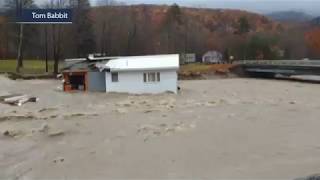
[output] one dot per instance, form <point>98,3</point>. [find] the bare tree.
<point>107,18</point>
<point>19,55</point>
<point>46,46</point>
<point>83,27</point>
<point>132,30</point>
<point>15,8</point>
<point>56,31</point>
<point>20,40</point>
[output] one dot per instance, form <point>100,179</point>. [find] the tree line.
<point>114,29</point>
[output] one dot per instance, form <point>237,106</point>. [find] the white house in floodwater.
<point>136,74</point>
<point>142,74</point>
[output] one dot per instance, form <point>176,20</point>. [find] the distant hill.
<point>1,4</point>
<point>2,10</point>
<point>210,20</point>
<point>197,29</point>
<point>290,16</point>
<point>316,21</point>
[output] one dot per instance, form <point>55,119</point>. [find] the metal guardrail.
<point>280,62</point>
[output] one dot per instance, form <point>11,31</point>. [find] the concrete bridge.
<point>285,69</point>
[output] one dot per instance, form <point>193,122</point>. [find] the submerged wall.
<point>132,82</point>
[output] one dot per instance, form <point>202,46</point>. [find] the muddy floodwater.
<point>224,128</point>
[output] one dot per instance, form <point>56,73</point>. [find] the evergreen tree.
<point>260,47</point>
<point>171,25</point>
<point>173,15</point>
<point>226,55</point>
<point>244,26</point>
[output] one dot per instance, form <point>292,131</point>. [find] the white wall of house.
<point>133,82</point>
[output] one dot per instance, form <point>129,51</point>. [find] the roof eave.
<point>143,69</point>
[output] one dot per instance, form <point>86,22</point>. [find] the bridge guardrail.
<point>279,62</point>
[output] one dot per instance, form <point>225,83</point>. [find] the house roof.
<point>80,65</point>
<point>135,63</point>
<point>213,52</point>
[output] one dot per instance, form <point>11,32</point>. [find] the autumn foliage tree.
<point>313,41</point>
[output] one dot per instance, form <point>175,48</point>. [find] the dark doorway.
<point>75,81</point>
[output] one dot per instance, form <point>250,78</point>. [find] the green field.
<point>29,66</point>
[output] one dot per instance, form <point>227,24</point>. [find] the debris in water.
<point>292,102</point>
<point>12,133</point>
<point>121,110</point>
<point>44,127</point>
<point>47,109</point>
<point>55,133</point>
<point>17,99</point>
<point>59,159</point>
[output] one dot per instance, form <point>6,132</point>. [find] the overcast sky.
<point>262,6</point>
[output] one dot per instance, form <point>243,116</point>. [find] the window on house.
<point>151,77</point>
<point>114,77</point>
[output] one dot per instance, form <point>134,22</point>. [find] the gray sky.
<point>263,6</point>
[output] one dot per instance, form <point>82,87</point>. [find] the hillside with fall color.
<point>121,30</point>
<point>161,29</point>
<point>213,20</point>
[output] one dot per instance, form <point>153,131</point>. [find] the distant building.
<point>136,74</point>
<point>212,57</point>
<point>187,58</point>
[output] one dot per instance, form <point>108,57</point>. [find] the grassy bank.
<point>205,68</point>
<point>30,66</point>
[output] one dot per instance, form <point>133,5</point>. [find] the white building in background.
<point>212,57</point>
<point>141,74</point>
<point>188,58</point>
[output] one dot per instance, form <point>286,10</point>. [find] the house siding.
<point>96,81</point>
<point>132,82</point>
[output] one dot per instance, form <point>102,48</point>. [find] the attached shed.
<point>96,81</point>
<point>75,80</point>
<point>83,76</point>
